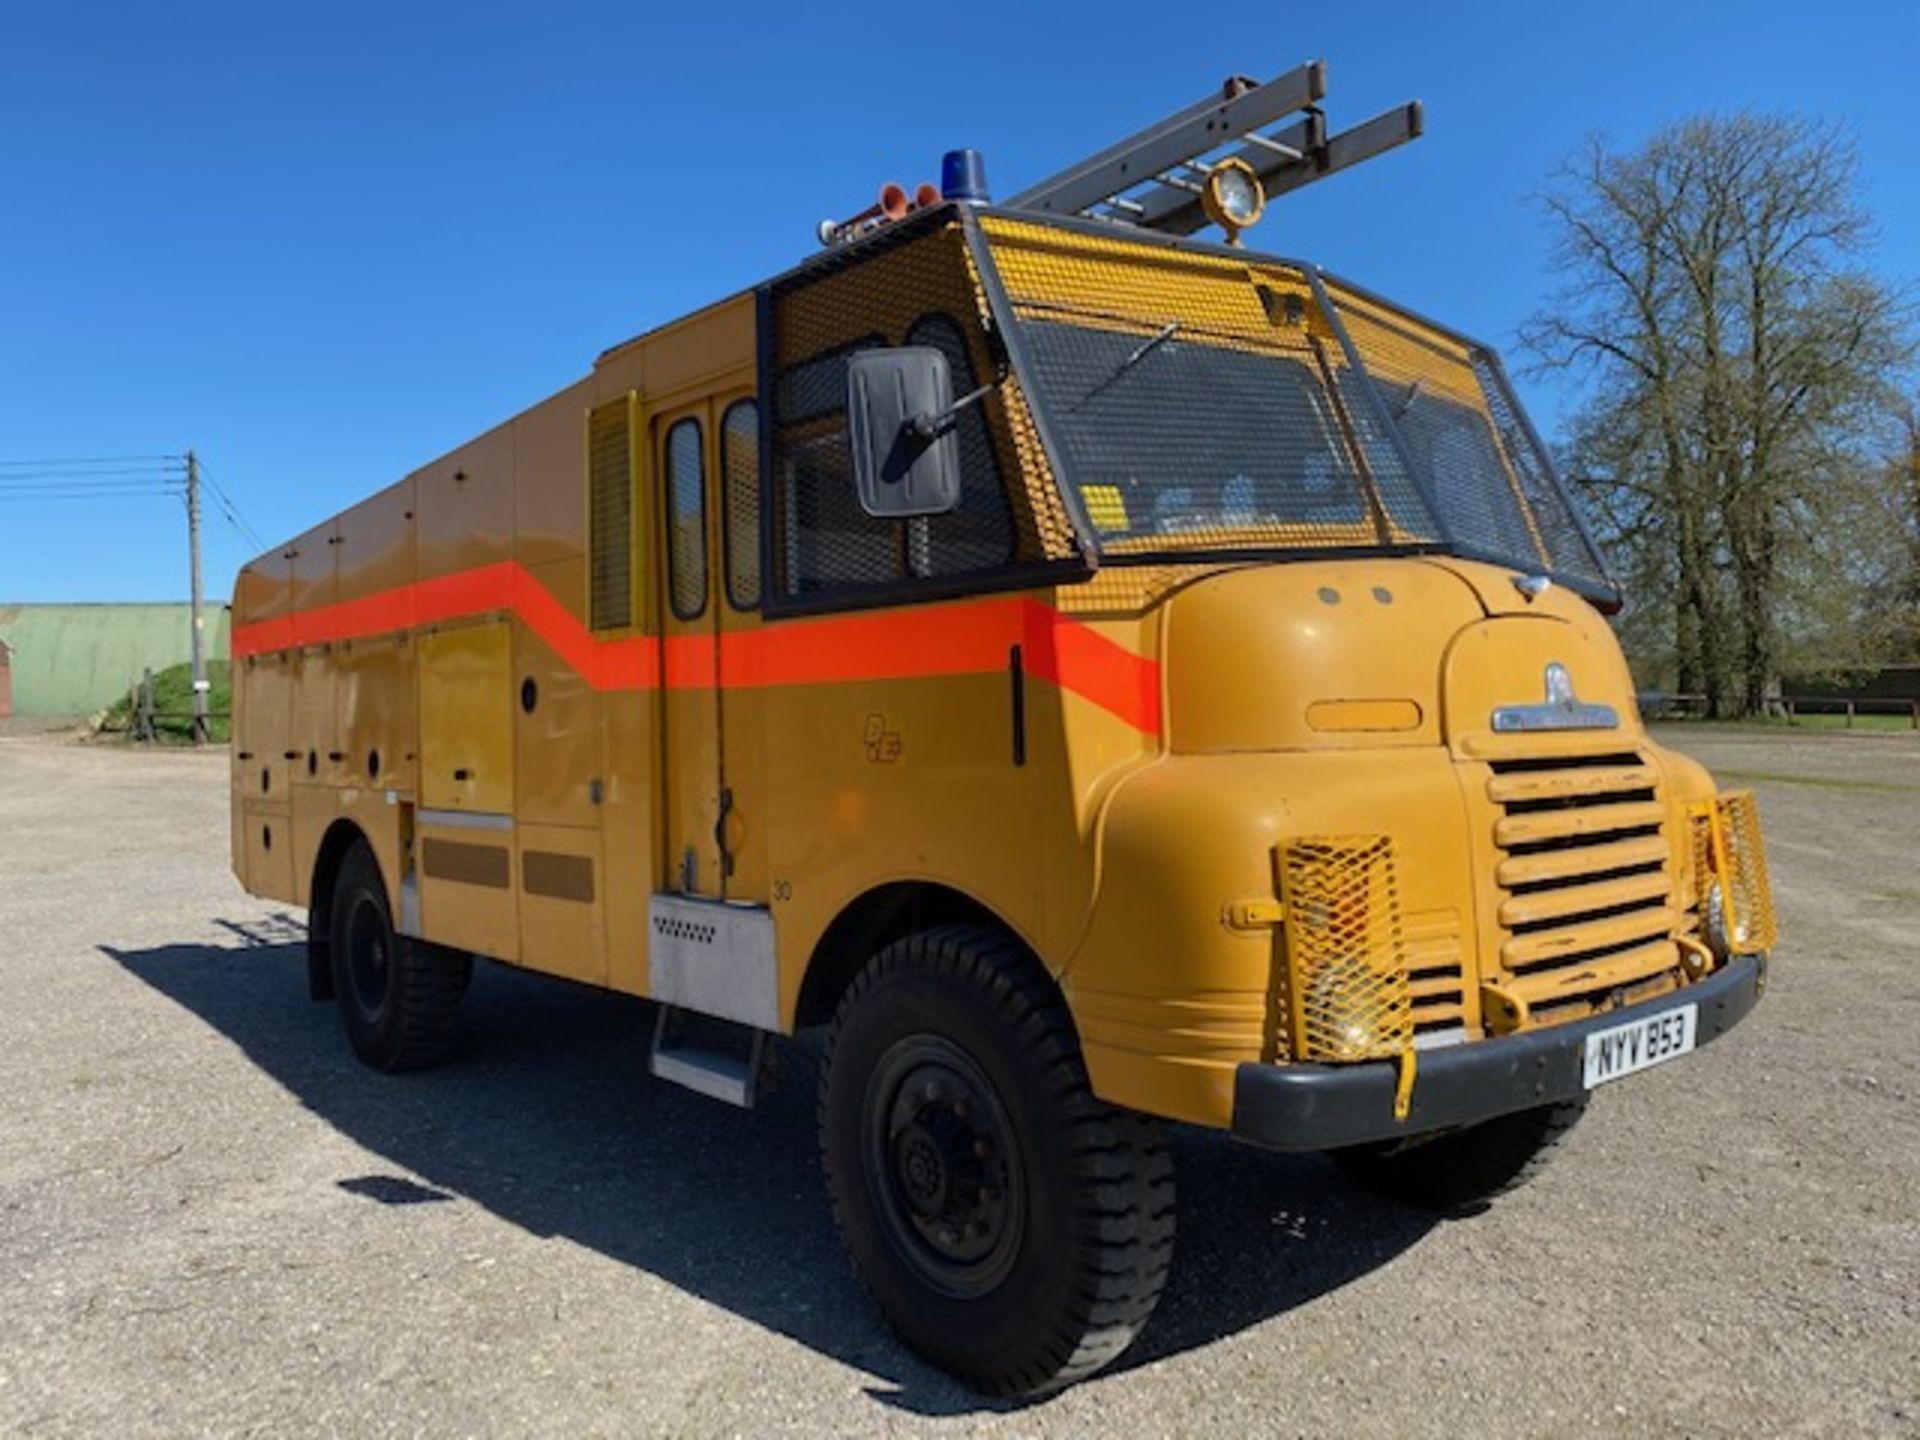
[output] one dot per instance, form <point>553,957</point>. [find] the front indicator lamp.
<point>1233,197</point>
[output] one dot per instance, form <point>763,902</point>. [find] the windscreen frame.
<point>1597,583</point>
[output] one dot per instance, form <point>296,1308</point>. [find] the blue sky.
<point>323,244</point>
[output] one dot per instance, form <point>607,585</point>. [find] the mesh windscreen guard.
<point>1200,401</point>
<point>915,286</point>
<point>1492,487</point>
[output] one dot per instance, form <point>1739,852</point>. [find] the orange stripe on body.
<point>1076,657</point>
<point>952,638</point>
<point>466,592</point>
<point>965,638</point>
<point>630,664</point>
<point>689,663</point>
<point>563,633</point>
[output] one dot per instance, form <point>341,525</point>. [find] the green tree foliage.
<point>1742,368</point>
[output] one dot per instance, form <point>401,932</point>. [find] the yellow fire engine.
<point>1105,677</point>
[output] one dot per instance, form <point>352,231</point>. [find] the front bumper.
<point>1323,1107</point>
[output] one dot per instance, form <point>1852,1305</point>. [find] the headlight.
<point>1347,1026</point>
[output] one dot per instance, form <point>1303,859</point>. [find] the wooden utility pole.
<point>193,547</point>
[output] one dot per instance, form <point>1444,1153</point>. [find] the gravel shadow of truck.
<point>547,1118</point>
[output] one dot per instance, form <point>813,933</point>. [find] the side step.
<point>716,1058</point>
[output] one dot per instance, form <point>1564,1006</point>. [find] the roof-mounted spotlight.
<point>1233,197</point>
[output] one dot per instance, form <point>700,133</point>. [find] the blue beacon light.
<point>963,177</point>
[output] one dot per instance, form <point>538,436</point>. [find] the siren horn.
<point>894,204</point>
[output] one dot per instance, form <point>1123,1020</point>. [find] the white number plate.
<point>1622,1049</point>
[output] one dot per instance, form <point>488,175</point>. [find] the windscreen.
<point>1199,401</point>
<point>1124,412</point>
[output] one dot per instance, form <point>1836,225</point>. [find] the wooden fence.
<point>1794,709</point>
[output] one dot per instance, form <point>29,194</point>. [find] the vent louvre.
<point>610,515</point>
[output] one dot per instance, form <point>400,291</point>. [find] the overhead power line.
<point>137,487</point>
<point>82,492</point>
<point>18,496</point>
<point>230,510</point>
<point>174,460</point>
<point>85,477</point>
<point>57,482</point>
<point>102,476</point>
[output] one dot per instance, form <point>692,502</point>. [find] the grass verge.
<point>173,704</point>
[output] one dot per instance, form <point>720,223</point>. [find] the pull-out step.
<point>716,1058</point>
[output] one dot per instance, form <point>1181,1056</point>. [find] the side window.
<point>827,542</point>
<point>609,517</point>
<point>740,504</point>
<point>686,520</point>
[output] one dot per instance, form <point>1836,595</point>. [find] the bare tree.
<point>1740,362</point>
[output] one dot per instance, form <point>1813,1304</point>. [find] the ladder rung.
<point>1277,147</point>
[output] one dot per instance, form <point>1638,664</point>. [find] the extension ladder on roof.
<point>1154,179</point>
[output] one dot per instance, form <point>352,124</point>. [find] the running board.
<point>719,1071</point>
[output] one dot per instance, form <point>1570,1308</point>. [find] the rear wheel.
<point>1464,1167</point>
<point>1014,1229</point>
<point>397,997</point>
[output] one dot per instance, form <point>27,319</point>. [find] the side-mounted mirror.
<point>900,410</point>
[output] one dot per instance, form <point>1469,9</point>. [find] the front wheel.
<point>1014,1229</point>
<point>1464,1167</point>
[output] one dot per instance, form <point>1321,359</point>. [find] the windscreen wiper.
<point>1140,352</point>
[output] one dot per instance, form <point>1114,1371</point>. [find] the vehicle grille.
<point>1588,905</point>
<point>1434,976</point>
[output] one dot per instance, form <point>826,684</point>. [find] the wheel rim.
<point>369,956</point>
<point>941,1162</point>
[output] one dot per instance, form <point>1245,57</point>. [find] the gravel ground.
<point>212,1221</point>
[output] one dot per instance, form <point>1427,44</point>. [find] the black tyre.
<point>1014,1229</point>
<point>397,997</point>
<point>1462,1168</point>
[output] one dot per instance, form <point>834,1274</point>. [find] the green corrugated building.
<point>76,659</point>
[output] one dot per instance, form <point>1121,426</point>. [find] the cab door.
<point>708,463</point>
<point>689,662</point>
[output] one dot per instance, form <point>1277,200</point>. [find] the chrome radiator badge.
<point>1562,710</point>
